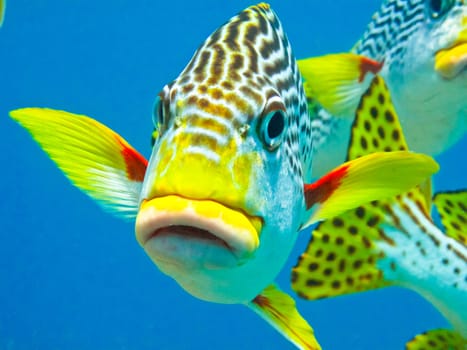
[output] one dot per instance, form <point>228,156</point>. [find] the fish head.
<point>423,44</point>
<point>223,192</point>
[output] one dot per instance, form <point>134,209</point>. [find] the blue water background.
<point>73,277</point>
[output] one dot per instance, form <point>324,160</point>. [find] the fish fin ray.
<point>279,310</point>
<point>452,209</point>
<point>337,81</point>
<point>93,157</point>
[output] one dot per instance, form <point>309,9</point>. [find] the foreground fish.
<point>392,242</point>
<point>226,190</point>
<point>421,49</point>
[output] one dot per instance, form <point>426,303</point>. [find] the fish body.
<point>226,190</point>
<point>392,242</point>
<point>423,48</point>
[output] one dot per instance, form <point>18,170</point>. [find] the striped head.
<point>223,195</point>
<point>423,44</point>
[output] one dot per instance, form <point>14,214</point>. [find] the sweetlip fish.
<point>419,47</point>
<point>227,187</point>
<point>392,242</point>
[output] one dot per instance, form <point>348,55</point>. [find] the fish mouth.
<point>452,61</point>
<point>180,233</point>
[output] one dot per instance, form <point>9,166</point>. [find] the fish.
<point>395,241</point>
<point>227,187</point>
<point>419,47</point>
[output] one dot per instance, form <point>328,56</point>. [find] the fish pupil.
<point>276,125</point>
<point>440,7</point>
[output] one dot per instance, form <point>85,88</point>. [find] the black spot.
<point>375,142</point>
<point>374,112</point>
<point>338,222</point>
<point>360,212</point>
<point>445,261</point>
<point>318,253</point>
<point>363,142</point>
<point>432,343</point>
<point>311,282</point>
<point>448,202</point>
<point>457,271</point>
<point>396,135</point>
<point>342,265</point>
<point>336,284</point>
<point>456,225</point>
<point>339,241</point>
<point>327,271</point>
<point>331,256</point>
<point>294,277</point>
<point>351,249</point>
<point>389,116</point>
<point>393,266</point>
<point>353,230</point>
<point>357,264</point>
<point>367,125</point>
<point>313,266</point>
<point>325,238</point>
<point>381,98</point>
<point>372,221</point>
<point>349,281</point>
<point>381,132</point>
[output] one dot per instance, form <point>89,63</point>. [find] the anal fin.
<point>279,310</point>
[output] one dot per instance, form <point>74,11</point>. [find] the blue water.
<point>73,277</point>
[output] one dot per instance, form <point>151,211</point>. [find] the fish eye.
<point>273,125</point>
<point>438,8</point>
<point>158,113</point>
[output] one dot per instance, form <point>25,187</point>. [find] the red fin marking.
<point>320,190</point>
<point>369,65</point>
<point>135,163</point>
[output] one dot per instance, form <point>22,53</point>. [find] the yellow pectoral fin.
<point>279,310</point>
<point>337,81</point>
<point>371,177</point>
<point>96,159</point>
<point>437,339</point>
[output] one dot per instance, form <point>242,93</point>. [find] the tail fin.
<point>279,310</point>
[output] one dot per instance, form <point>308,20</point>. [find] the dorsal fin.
<point>343,254</point>
<point>452,208</point>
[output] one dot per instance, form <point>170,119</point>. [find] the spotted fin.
<point>337,81</point>
<point>437,339</point>
<point>279,310</point>
<point>452,208</point>
<point>342,256</point>
<point>94,158</point>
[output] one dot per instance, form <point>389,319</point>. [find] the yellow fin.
<point>93,157</point>
<point>279,310</point>
<point>437,339</point>
<point>371,177</point>
<point>452,208</point>
<point>337,81</point>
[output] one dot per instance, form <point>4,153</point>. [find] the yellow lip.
<point>177,230</point>
<point>450,62</point>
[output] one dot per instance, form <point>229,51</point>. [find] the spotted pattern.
<point>221,95</point>
<point>437,339</point>
<point>350,253</point>
<point>452,208</point>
